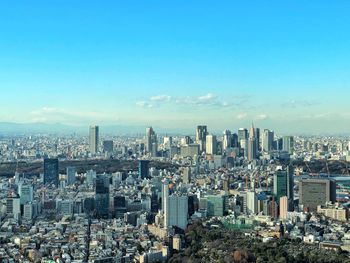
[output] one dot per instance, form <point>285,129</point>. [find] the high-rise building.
<point>226,140</point>
<point>267,140</point>
<point>151,142</point>
<point>177,214</point>
<point>119,206</point>
<point>108,146</point>
<point>165,202</point>
<point>283,207</point>
<point>51,175</point>
<point>201,134</point>
<point>144,169</point>
<point>94,139</point>
<point>314,192</point>
<point>102,196</point>
<point>252,145</point>
<point>242,134</point>
<point>211,144</point>
<point>252,202</point>
<point>13,207</point>
<point>257,138</point>
<point>70,170</point>
<point>216,205</point>
<point>25,193</point>
<point>288,144</point>
<point>283,185</point>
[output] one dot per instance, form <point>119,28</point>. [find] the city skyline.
<point>177,65</point>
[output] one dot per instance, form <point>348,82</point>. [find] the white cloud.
<point>242,116</point>
<point>144,104</point>
<point>161,98</point>
<point>261,117</point>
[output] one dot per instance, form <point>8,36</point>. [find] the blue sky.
<point>283,64</point>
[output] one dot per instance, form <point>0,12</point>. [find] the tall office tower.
<point>151,141</point>
<point>283,185</point>
<point>283,207</point>
<point>13,207</point>
<point>119,206</point>
<point>94,139</point>
<point>257,138</point>
<point>211,144</point>
<point>144,169</point>
<point>201,134</point>
<point>288,144</point>
<point>108,146</point>
<point>216,205</point>
<point>267,140</point>
<point>252,148</point>
<point>70,170</point>
<point>314,192</point>
<point>186,175</point>
<point>177,214</point>
<point>165,202</point>
<point>234,140</point>
<point>244,145</point>
<point>51,171</point>
<point>226,140</point>
<point>102,196</point>
<point>252,202</point>
<point>167,142</point>
<point>26,193</point>
<point>242,134</point>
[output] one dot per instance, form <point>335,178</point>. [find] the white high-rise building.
<point>211,144</point>
<point>267,140</point>
<point>165,202</point>
<point>252,202</point>
<point>226,140</point>
<point>94,139</point>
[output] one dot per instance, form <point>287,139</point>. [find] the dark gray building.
<point>51,171</point>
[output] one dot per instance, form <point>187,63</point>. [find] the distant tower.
<point>51,171</point>
<point>226,140</point>
<point>211,144</point>
<point>151,141</point>
<point>267,140</point>
<point>201,134</point>
<point>252,148</point>
<point>94,139</point>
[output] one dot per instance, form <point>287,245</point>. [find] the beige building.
<point>334,212</point>
<point>283,207</point>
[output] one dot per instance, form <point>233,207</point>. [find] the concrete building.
<point>315,192</point>
<point>94,139</point>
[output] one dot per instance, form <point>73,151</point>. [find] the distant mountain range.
<point>11,128</point>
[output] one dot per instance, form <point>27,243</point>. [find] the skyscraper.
<point>177,214</point>
<point>102,196</point>
<point>226,139</point>
<point>151,142</point>
<point>25,193</point>
<point>288,144</point>
<point>283,185</point>
<point>165,202</point>
<point>201,134</point>
<point>144,169</point>
<point>252,148</point>
<point>51,171</point>
<point>242,134</point>
<point>267,140</point>
<point>70,175</point>
<point>314,192</point>
<point>94,139</point>
<point>108,146</point>
<point>211,144</point>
